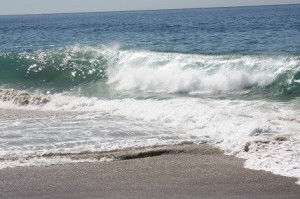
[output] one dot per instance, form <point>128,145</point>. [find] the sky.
<point>8,7</point>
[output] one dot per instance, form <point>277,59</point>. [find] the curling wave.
<point>65,68</point>
<point>58,69</point>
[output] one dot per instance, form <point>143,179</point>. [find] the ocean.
<point>228,77</point>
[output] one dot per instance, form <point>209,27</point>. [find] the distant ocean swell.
<point>65,68</point>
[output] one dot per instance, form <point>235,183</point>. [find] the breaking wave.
<point>66,68</point>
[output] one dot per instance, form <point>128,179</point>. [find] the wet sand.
<point>15,114</point>
<point>187,171</point>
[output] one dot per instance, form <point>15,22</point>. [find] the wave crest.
<point>65,68</point>
<point>185,73</point>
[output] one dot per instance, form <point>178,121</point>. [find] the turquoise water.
<point>229,77</point>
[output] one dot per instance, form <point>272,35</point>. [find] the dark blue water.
<point>267,29</point>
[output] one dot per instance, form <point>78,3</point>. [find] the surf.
<point>71,67</point>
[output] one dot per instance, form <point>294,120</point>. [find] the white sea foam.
<point>279,157</point>
<point>116,124</point>
<point>46,161</point>
<point>171,72</point>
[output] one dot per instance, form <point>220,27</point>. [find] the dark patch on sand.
<point>140,152</point>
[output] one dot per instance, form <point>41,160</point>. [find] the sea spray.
<point>68,68</point>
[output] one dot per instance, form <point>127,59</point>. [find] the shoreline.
<point>175,171</point>
<point>183,171</point>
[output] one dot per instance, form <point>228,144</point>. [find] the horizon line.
<point>162,9</point>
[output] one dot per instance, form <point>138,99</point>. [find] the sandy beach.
<point>187,171</point>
